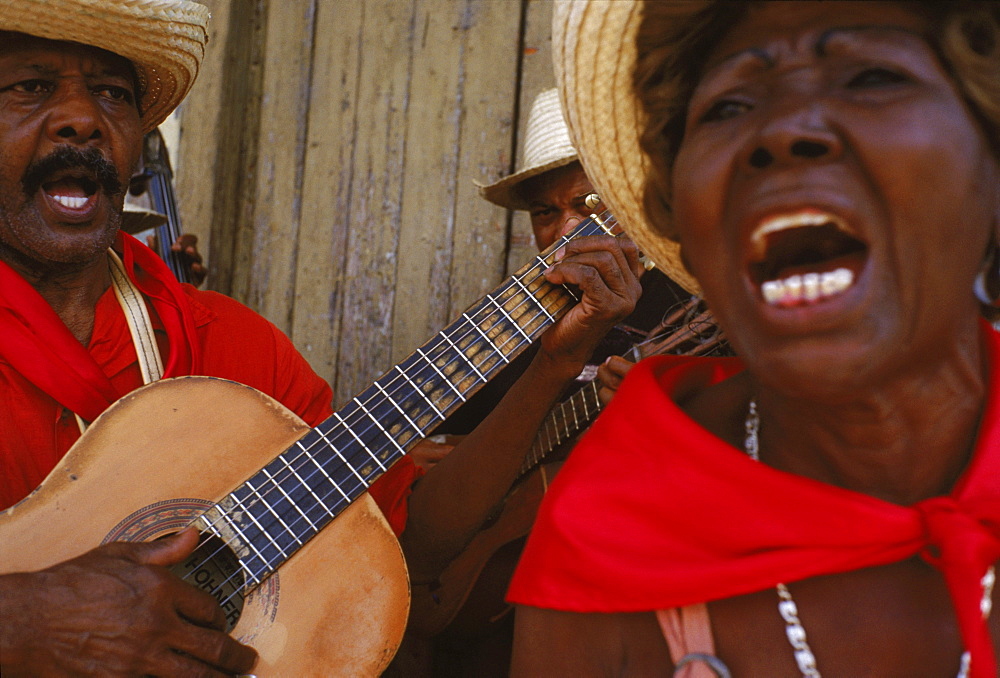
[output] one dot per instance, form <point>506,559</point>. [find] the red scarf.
<point>681,517</point>
<point>36,342</point>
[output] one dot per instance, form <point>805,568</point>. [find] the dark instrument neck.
<point>161,189</point>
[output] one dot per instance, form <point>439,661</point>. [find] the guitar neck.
<point>566,419</point>
<point>684,331</point>
<point>298,493</point>
<point>162,190</point>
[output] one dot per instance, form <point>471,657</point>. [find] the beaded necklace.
<point>789,612</point>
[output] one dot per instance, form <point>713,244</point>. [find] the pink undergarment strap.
<point>688,633</point>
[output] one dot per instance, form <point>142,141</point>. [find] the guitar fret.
<point>302,480</point>
<point>445,379</point>
<point>532,297</point>
<point>322,470</point>
<point>249,511</point>
<point>465,357</point>
<point>576,421</point>
<point>416,388</point>
<point>343,459</point>
<point>252,580</point>
<point>360,442</point>
<point>243,540</point>
<point>253,519</point>
<point>546,265</point>
<point>591,390</point>
<point>551,432</point>
<point>270,509</point>
<point>561,419</point>
<point>507,316</point>
<point>496,349</point>
<point>281,489</point>
<point>399,409</point>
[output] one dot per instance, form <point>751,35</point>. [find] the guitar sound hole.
<point>215,569</point>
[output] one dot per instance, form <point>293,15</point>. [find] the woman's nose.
<point>794,133</point>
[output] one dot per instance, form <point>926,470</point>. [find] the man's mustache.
<point>68,158</point>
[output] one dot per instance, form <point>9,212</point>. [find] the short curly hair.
<point>673,38</point>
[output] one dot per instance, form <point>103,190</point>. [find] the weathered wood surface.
<point>327,159</point>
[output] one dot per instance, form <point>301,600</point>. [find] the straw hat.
<point>164,39</point>
<point>594,75</point>
<point>546,147</point>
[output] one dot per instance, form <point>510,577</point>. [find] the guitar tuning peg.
<point>592,201</point>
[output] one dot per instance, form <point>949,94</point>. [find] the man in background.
<point>553,188</point>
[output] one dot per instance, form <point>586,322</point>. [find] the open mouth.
<point>805,258</point>
<point>72,191</point>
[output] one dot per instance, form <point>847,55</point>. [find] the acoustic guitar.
<point>313,595</point>
<point>469,595</point>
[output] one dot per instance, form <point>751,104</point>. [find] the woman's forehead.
<point>771,28</point>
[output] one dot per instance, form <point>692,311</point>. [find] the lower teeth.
<point>806,288</point>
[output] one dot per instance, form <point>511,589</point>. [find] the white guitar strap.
<point>139,324</point>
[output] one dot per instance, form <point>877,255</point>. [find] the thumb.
<point>169,550</point>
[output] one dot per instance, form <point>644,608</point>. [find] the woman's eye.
<point>33,86</point>
<point>724,109</point>
<point>873,77</point>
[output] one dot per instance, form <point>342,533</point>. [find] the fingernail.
<point>559,255</point>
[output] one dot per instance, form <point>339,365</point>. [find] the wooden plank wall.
<point>327,158</point>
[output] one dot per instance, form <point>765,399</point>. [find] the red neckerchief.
<point>652,512</point>
<point>40,347</point>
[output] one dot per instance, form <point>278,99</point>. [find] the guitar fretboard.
<point>298,493</point>
<point>564,421</point>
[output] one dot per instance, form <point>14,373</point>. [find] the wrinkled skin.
<point>557,202</point>
<point>117,611</point>
<point>114,611</point>
<point>879,389</point>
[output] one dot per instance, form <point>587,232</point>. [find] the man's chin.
<point>43,246</point>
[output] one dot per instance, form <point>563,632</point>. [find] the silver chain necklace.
<point>794,630</point>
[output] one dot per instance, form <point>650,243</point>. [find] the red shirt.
<point>236,344</point>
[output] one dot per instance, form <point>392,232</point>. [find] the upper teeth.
<point>795,289</point>
<point>70,201</point>
<point>758,239</point>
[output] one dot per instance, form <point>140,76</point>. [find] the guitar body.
<point>469,595</point>
<point>163,454</point>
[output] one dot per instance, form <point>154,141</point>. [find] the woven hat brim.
<point>505,192</point>
<point>164,39</point>
<point>136,219</point>
<point>594,76</point>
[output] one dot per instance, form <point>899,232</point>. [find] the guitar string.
<point>690,329</point>
<point>682,323</point>
<point>290,464</point>
<point>292,471</point>
<point>691,332</point>
<point>500,314</point>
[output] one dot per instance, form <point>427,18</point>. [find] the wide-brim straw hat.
<point>164,39</point>
<point>546,147</point>
<point>594,53</point>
